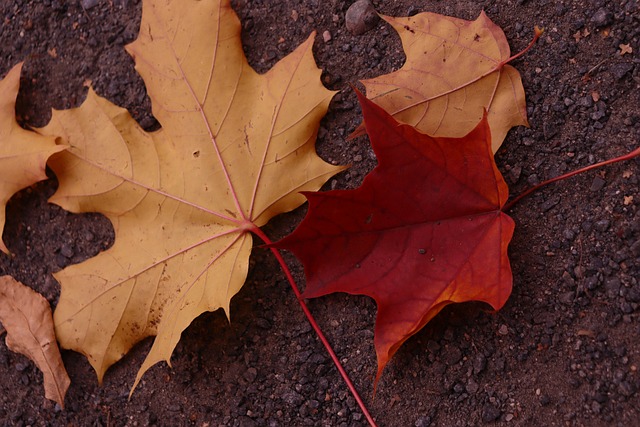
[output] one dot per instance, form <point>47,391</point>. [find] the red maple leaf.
<point>424,230</point>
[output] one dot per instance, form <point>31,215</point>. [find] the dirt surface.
<point>563,351</point>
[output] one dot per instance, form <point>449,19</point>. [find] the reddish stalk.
<point>537,32</point>
<point>628,156</point>
<point>257,231</point>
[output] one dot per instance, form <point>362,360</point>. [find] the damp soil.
<point>564,351</point>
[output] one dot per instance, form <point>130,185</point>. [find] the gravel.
<point>571,322</point>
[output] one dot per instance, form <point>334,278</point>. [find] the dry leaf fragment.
<point>235,149</point>
<point>625,48</point>
<point>581,34</point>
<point>455,70</point>
<point>26,315</point>
<point>23,154</point>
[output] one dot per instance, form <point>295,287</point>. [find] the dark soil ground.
<point>565,349</point>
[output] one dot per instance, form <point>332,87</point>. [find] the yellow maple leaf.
<point>455,69</point>
<point>234,150</point>
<point>23,154</point>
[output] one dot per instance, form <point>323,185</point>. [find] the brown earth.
<point>563,351</point>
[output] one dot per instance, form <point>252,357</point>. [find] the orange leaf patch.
<point>455,70</point>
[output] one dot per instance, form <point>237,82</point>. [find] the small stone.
<point>423,422</point>
<point>326,36</point>
<point>549,203</point>
<point>612,287</point>
<point>433,346</point>
<point>451,355</point>
<point>20,367</point>
<point>585,101</point>
<point>621,69</point>
<point>549,130</point>
<point>602,18</point>
<point>567,298</point>
<point>591,282</point>
<point>490,413</point>
<point>626,389</point>
<point>597,184</point>
<point>292,398</point>
<point>262,323</point>
<point>504,330</point>
<point>250,375</point>
<point>602,225</point>
<point>479,363</point>
<point>66,251</point>
<point>361,17</point>
<point>88,4</point>
<point>600,397</point>
<point>514,173</point>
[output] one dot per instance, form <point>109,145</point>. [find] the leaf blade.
<point>455,69</point>
<point>23,154</point>
<point>26,316</point>
<point>402,239</point>
<point>183,199</point>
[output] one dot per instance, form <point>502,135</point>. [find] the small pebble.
<point>479,363</point>
<point>567,298</point>
<point>472,386</point>
<point>451,355</point>
<point>250,375</point>
<point>602,18</point>
<point>326,36</point>
<point>361,17</point>
<point>597,184</point>
<point>490,413</point>
<point>621,69</point>
<point>88,4</point>
<point>544,400</point>
<point>66,251</point>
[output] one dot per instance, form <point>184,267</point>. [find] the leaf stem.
<point>257,231</point>
<point>537,32</point>
<point>628,156</point>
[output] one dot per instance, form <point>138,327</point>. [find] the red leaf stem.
<point>628,156</point>
<point>257,231</point>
